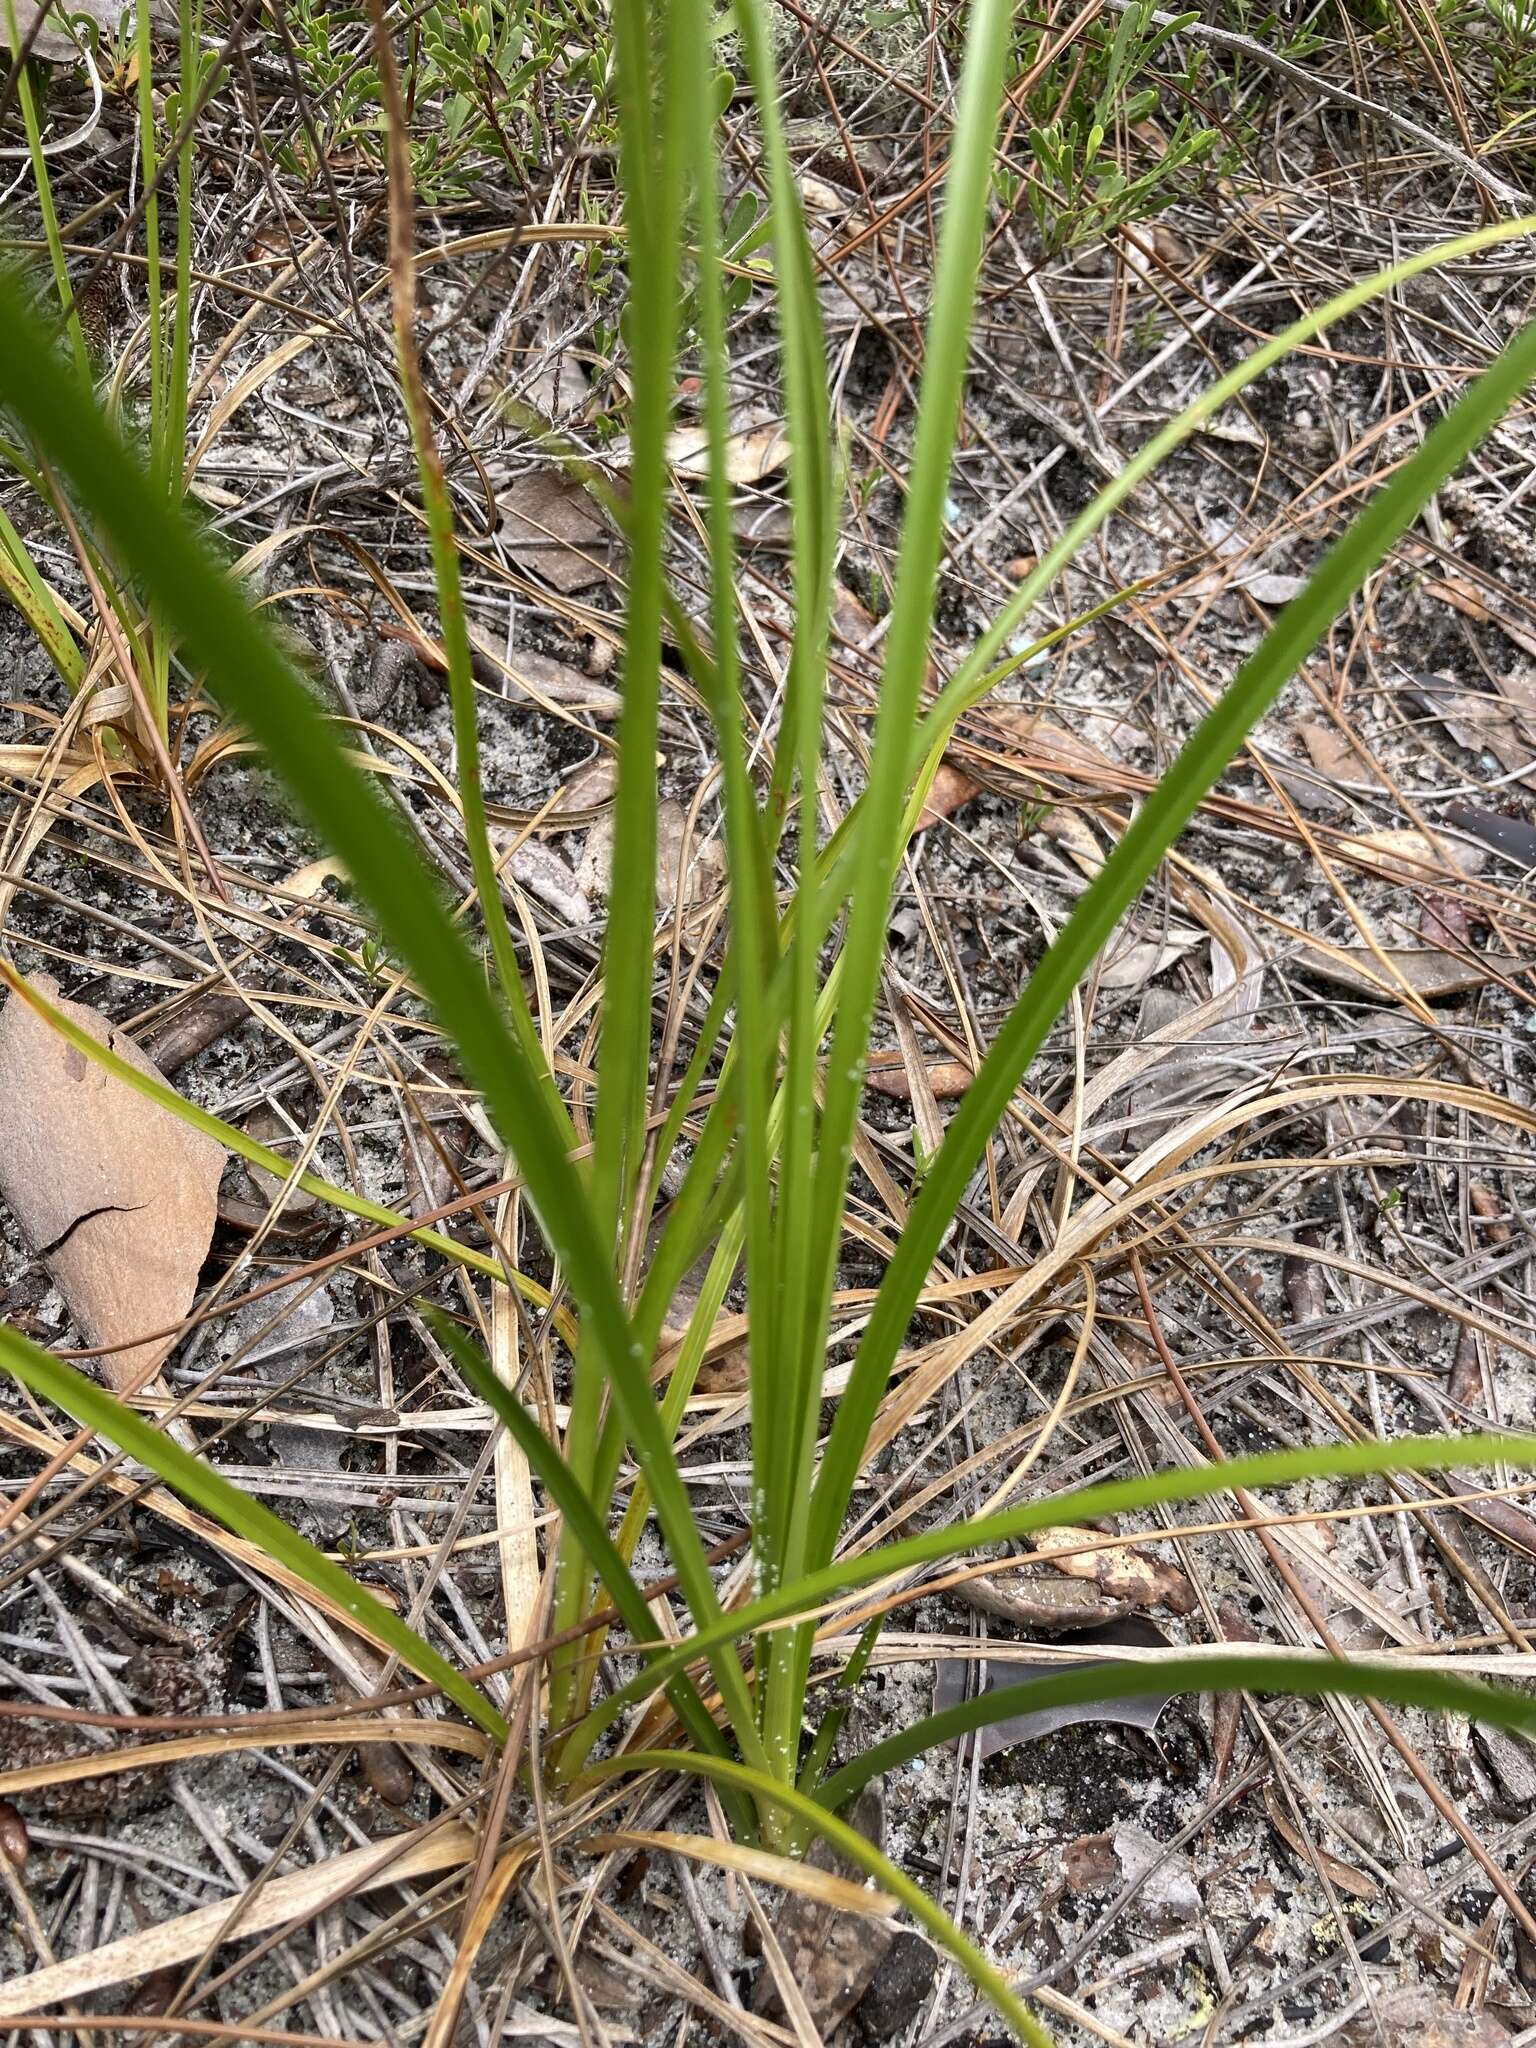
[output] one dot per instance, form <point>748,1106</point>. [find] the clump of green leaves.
<point>770,1098</point>
<point>1091,173</point>
<point>485,81</point>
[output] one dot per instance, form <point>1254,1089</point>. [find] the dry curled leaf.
<point>946,1078</point>
<point>1124,1574</point>
<point>750,455</point>
<point>116,1194</point>
<point>951,788</point>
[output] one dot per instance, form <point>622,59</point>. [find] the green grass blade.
<point>967,683</point>
<point>652,164</point>
<point>813,1818</point>
<point>802,349</point>
<point>149,171</point>
<point>778,1229</point>
<point>448,581</point>
<point>250,676</point>
<point>877,842</point>
<point>591,1532</point>
<point>1129,867</point>
<point>190,25</point>
<point>45,204</point>
<point>1074,1508</point>
<point>24,588</point>
<point>207,1489</point>
<point>1291,1672</point>
<point>651,161</point>
<point>786,1359</point>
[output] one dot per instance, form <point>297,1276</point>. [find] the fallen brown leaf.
<point>550,526</point>
<point>116,1195</point>
<point>946,1078</point>
<point>750,455</point>
<point>951,788</point>
<point>1124,1574</point>
<point>832,1955</point>
<point>1332,755</point>
<point>1428,971</point>
<point>1342,1876</point>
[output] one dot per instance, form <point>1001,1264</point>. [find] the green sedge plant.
<point>154,410</point>
<point>765,1187</point>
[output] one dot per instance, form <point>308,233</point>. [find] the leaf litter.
<point>116,1195</point>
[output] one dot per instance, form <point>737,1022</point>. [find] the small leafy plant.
<point>472,70</point>
<point>764,1184</point>
<point>1084,107</point>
